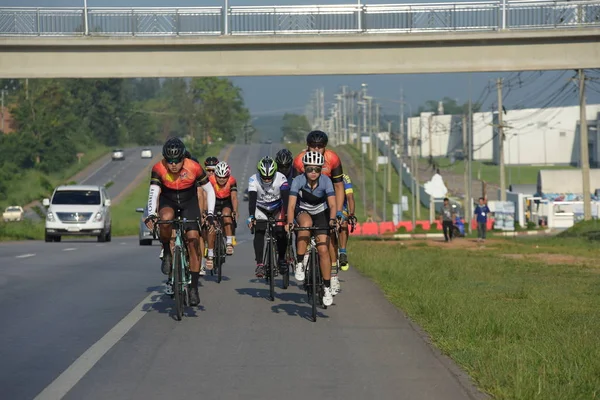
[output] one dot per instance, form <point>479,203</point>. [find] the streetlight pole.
<point>85,18</point>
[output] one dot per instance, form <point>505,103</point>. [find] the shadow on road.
<point>299,307</point>
<point>164,304</point>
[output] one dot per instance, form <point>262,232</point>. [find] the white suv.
<point>78,210</point>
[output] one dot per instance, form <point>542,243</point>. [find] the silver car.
<point>146,236</point>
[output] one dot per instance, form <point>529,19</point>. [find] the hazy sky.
<point>274,95</point>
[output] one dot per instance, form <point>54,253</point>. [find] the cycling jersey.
<point>268,196</point>
<point>223,192</point>
<point>332,167</point>
<point>179,187</point>
<point>309,200</point>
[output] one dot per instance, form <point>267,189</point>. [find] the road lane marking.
<point>73,374</point>
<point>26,255</point>
<point>70,249</point>
<point>95,172</point>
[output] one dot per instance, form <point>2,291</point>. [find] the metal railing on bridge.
<point>316,19</point>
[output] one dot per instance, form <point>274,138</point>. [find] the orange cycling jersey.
<point>223,192</point>
<point>332,167</point>
<point>182,186</point>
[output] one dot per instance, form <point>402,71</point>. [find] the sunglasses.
<point>173,160</point>
<point>313,169</point>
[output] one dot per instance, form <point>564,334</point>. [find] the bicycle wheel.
<point>272,266</point>
<point>217,256</point>
<point>223,258</point>
<point>286,275</point>
<point>178,289</point>
<point>314,260</point>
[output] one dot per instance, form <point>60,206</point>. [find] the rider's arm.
<point>293,197</point>
<point>351,203</point>
<point>337,177</point>
<point>201,198</point>
<point>210,197</point>
<point>154,191</point>
<point>252,197</point>
<point>331,197</point>
<point>234,197</point>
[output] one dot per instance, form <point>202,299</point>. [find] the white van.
<point>78,210</point>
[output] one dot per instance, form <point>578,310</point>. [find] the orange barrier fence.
<point>381,228</point>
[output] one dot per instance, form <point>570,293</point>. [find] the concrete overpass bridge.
<point>481,36</point>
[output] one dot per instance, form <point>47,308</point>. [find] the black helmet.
<point>174,149</point>
<point>211,162</point>
<point>316,138</point>
<point>284,158</point>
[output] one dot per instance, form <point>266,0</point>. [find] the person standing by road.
<point>447,216</point>
<point>481,212</point>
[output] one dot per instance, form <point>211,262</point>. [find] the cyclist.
<point>285,160</point>
<point>268,194</point>
<point>332,167</point>
<point>348,211</point>
<point>175,184</point>
<point>225,187</point>
<point>312,203</point>
<point>211,163</point>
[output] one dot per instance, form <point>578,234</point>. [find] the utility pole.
<point>429,137</point>
<point>388,171</point>
<point>466,170</point>
<point>469,160</point>
<point>585,158</point>
<point>414,183</point>
<point>2,109</point>
<point>377,105</point>
<point>370,125</point>
<point>322,105</point>
<point>344,116</point>
<point>401,139</point>
<point>501,141</point>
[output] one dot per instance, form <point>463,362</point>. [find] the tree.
<point>295,127</point>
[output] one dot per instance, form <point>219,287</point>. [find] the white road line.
<point>73,374</point>
<point>95,172</point>
<point>70,249</point>
<point>25,255</point>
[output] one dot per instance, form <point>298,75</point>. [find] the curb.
<point>524,233</point>
<point>418,235</point>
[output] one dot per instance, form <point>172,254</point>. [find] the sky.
<point>276,95</point>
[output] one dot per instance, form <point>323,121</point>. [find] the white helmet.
<point>313,158</point>
<point>222,170</point>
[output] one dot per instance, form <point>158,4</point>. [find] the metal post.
<point>2,109</point>
<point>359,15</point>
<point>388,170</point>
<point>503,14</point>
<point>414,183</point>
<point>375,156</point>
<point>226,18</point>
<point>401,139</point>
<point>469,160</point>
<point>85,18</point>
<point>585,158</point>
<point>501,141</point>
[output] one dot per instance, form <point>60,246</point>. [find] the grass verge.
<point>515,174</point>
<point>522,328</point>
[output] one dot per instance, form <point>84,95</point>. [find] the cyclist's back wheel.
<point>271,269</point>
<point>313,265</point>
<point>223,257</point>
<point>178,289</point>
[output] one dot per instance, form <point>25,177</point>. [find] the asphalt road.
<point>121,173</point>
<point>88,321</point>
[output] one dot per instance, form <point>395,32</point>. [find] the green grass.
<point>391,197</point>
<point>521,328</point>
<point>515,174</point>
<point>23,230</point>
<point>34,184</point>
<point>125,220</point>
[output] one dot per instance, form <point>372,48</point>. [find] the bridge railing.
<point>316,19</point>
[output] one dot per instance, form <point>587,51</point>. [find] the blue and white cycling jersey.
<point>268,196</point>
<point>312,201</point>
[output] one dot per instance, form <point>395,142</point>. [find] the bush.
<point>402,229</point>
<point>531,225</point>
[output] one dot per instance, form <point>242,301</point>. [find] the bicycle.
<point>270,257</point>
<point>220,250</point>
<point>313,280</point>
<point>181,277</point>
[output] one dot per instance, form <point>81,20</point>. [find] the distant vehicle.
<point>146,153</point>
<point>246,195</point>
<point>118,154</point>
<point>269,141</point>
<point>78,210</point>
<point>146,236</point>
<point>13,213</point>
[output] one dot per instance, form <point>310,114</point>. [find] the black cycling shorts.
<point>320,220</point>
<point>187,209</point>
<point>220,204</point>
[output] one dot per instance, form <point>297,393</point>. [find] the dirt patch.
<point>555,259</point>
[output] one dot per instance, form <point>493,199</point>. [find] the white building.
<point>532,136</point>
